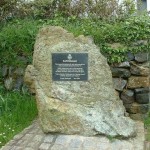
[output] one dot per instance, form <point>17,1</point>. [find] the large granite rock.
<point>75,107</point>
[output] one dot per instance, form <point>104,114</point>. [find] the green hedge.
<point>115,39</point>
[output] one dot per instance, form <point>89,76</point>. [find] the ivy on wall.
<point>115,38</point>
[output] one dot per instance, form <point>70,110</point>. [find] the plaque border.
<point>87,64</point>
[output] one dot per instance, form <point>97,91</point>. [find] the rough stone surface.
<point>23,59</point>
<point>30,76</point>
<point>8,83</point>
<point>4,70</point>
<point>10,71</point>
<point>139,70</point>
<point>138,82</point>
<point>12,77</point>
<point>144,108</point>
<point>142,98</point>
<point>127,96</point>
<point>124,64</point>
<point>142,95</point>
<point>141,57</point>
<point>19,71</point>
<point>137,116</point>
<point>119,83</point>
<point>136,108</point>
<point>120,72</point>
<point>140,42</point>
<point>130,56</point>
<point>142,90</point>
<point>27,140</point>
<point>132,108</point>
<point>18,83</point>
<point>71,107</point>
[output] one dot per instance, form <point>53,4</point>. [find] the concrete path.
<point>32,138</point>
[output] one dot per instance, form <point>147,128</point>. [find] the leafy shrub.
<point>115,39</point>
<point>17,39</point>
<point>99,9</point>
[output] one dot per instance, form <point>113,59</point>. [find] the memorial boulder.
<point>74,87</point>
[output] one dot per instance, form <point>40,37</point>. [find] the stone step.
<point>32,138</point>
<point>147,145</point>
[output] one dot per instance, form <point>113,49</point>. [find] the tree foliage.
<point>99,9</point>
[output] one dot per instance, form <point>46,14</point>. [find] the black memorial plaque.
<point>69,66</point>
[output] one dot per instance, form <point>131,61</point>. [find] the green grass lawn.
<point>17,111</point>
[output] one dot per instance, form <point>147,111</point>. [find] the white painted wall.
<point>148,5</point>
<point>119,1</point>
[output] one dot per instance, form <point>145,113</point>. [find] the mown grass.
<point>17,111</point>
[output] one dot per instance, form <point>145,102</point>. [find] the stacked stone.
<point>12,77</point>
<point>131,80</point>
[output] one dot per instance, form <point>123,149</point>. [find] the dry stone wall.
<point>132,81</point>
<point>12,77</point>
